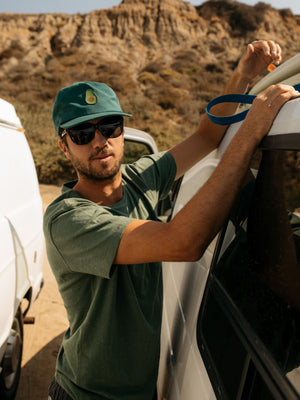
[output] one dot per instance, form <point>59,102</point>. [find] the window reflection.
<point>134,150</point>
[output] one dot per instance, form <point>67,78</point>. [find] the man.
<point>105,242</point>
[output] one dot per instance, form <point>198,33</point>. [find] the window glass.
<point>254,298</point>
<point>134,150</point>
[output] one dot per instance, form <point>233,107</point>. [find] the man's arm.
<point>187,235</point>
<point>208,135</point>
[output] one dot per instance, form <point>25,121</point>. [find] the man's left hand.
<point>258,56</point>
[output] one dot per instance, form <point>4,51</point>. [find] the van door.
<point>7,283</point>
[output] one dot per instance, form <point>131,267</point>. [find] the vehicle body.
<point>231,323</point>
<point>21,244</point>
<point>226,334</point>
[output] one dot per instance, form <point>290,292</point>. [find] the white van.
<point>21,244</point>
<point>231,320</point>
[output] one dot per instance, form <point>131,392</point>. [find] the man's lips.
<point>101,156</point>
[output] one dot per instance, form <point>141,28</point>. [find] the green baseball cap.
<point>82,102</point>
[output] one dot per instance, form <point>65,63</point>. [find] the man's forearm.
<point>208,135</point>
<point>238,83</point>
<point>201,219</point>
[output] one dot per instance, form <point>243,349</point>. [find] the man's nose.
<point>99,139</point>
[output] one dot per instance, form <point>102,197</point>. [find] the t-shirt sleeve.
<point>167,172</point>
<point>156,171</point>
<point>87,238</point>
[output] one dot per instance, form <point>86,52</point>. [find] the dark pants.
<point>56,392</point>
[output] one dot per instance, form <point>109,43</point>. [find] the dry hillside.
<point>165,58</point>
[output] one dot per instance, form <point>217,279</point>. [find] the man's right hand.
<point>265,109</point>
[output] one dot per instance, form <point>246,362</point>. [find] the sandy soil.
<point>42,339</point>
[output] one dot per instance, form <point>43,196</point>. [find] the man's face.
<point>97,160</point>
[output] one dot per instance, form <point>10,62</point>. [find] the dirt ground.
<point>42,339</point>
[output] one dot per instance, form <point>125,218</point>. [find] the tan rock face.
<point>136,29</point>
<point>47,51</point>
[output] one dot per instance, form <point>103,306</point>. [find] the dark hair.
<point>63,138</point>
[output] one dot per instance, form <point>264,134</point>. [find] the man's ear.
<point>64,148</point>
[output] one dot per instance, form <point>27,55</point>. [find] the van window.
<point>134,150</point>
<point>249,324</point>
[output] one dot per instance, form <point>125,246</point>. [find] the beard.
<point>92,173</point>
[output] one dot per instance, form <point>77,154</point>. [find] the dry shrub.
<point>286,13</point>
<point>154,67</point>
<point>190,110</point>
<point>51,164</point>
<point>141,108</point>
<point>165,132</point>
<point>146,77</point>
<point>240,17</point>
<point>213,67</point>
<point>169,74</point>
<point>165,95</point>
<point>15,50</point>
<point>186,60</point>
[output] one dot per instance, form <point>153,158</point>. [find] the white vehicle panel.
<point>20,183</point>
<point>8,114</point>
<point>7,274</point>
<point>22,206</point>
<point>22,241</point>
<point>135,135</point>
<point>284,73</point>
<point>184,285</point>
<point>193,372</point>
<point>286,122</point>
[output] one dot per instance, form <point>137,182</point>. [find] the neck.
<point>105,192</point>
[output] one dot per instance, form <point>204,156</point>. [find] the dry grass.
<point>166,100</point>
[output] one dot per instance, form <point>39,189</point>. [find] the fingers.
<point>265,109</point>
<point>275,96</point>
<point>269,49</point>
<point>278,91</point>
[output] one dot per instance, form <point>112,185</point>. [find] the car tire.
<point>11,362</point>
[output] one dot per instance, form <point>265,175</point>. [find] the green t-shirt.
<point>111,349</point>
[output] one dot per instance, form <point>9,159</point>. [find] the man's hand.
<point>258,56</point>
<point>208,135</point>
<point>266,107</point>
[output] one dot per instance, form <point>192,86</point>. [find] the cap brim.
<point>90,117</point>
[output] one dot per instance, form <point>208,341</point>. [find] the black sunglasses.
<point>110,127</point>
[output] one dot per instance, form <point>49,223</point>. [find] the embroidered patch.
<point>90,97</point>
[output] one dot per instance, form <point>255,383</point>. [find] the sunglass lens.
<point>82,135</point>
<point>111,130</point>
